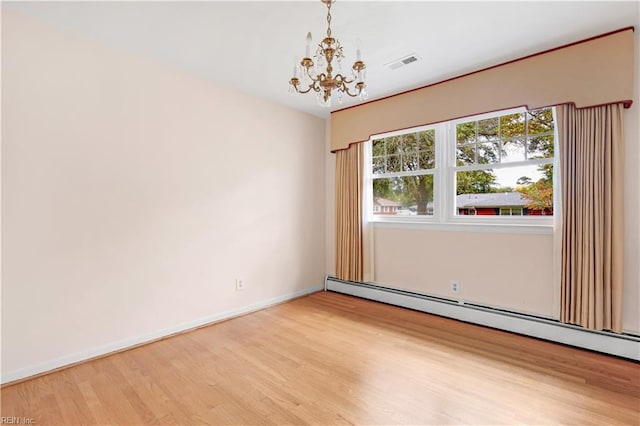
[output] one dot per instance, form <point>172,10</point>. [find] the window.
<point>403,168</point>
<point>494,168</point>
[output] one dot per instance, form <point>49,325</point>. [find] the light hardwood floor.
<point>334,359</point>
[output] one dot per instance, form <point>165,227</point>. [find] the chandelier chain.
<point>329,18</point>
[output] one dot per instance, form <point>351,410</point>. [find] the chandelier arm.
<point>306,71</point>
<point>346,90</point>
<point>306,91</point>
<point>313,86</point>
<point>344,79</point>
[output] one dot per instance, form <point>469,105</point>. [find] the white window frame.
<point>444,215</point>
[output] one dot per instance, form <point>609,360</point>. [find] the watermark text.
<point>14,420</point>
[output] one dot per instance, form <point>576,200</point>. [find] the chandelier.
<point>318,76</point>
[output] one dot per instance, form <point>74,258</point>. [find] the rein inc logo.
<point>12,420</point>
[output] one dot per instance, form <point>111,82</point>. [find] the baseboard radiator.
<point>621,345</point>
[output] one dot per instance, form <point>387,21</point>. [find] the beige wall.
<point>631,300</point>
<point>511,271</point>
<point>133,195</point>
<point>493,268</point>
<point>330,207</point>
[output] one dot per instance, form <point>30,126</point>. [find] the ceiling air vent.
<point>394,65</point>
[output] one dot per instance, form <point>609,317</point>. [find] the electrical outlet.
<point>455,286</point>
<point>239,284</point>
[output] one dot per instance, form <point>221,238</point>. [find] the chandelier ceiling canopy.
<point>319,76</point>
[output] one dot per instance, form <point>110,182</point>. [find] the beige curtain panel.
<point>349,247</point>
<point>592,174</point>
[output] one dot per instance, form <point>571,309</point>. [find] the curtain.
<point>349,214</point>
<point>591,167</point>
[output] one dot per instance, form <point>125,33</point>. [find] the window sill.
<point>541,228</point>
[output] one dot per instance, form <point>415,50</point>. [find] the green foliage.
<point>419,190</point>
<point>475,182</point>
<point>512,125</point>
<point>466,133</point>
<point>539,195</point>
<point>383,188</point>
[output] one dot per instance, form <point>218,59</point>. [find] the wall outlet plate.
<point>239,284</point>
<point>455,286</point>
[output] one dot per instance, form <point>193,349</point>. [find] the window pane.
<point>540,146</point>
<point>525,190</point>
<point>403,196</point>
<point>393,163</point>
<point>540,121</point>
<point>385,201</point>
<point>465,155</point>
<point>378,165</point>
<point>427,159</point>
<point>512,125</point>
<point>378,147</point>
<point>488,129</point>
<point>393,145</point>
<point>466,132</point>
<point>513,150</point>
<point>426,140</point>
<point>418,191</point>
<point>488,153</point>
<point>410,162</point>
<point>409,143</point>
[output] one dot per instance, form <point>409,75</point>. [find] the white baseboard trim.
<point>68,360</point>
<point>625,345</point>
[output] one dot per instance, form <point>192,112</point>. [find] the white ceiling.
<point>251,45</point>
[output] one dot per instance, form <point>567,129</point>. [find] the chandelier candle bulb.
<point>308,48</point>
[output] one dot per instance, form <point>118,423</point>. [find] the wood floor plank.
<point>334,359</point>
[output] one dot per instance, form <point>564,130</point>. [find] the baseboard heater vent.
<point>622,345</point>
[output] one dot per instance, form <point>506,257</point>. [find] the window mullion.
<point>403,174</point>
<point>443,177</point>
<point>531,162</point>
<point>451,175</point>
